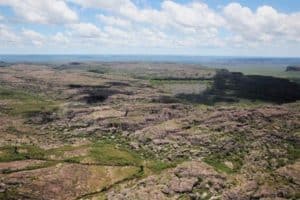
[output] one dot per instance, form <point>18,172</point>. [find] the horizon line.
<point>159,55</point>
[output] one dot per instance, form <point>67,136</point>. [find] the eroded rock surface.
<point>104,131</point>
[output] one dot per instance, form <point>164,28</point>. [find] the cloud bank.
<point>173,26</point>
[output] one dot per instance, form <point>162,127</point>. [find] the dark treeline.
<point>232,86</point>
<point>254,87</point>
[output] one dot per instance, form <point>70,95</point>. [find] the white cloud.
<point>7,35</point>
<point>116,32</point>
<point>1,17</point>
<point>44,12</point>
<point>60,38</point>
<point>172,25</point>
<point>33,34</point>
<point>114,21</point>
<point>35,37</point>
<point>114,5</point>
<point>195,14</point>
<point>86,30</point>
<point>263,25</point>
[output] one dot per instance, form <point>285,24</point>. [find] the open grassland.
<point>17,102</point>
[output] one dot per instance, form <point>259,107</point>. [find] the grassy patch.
<point>12,153</point>
<point>59,152</point>
<point>19,102</point>
<point>218,165</point>
<point>293,152</point>
<point>10,194</point>
<point>157,166</point>
<point>104,152</point>
<point>184,197</point>
<point>218,162</point>
<point>32,167</point>
<point>111,154</point>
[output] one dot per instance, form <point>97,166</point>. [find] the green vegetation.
<point>235,157</point>
<point>59,152</point>
<point>19,102</point>
<point>32,167</point>
<point>293,152</point>
<point>232,87</point>
<point>110,154</point>
<point>99,70</point>
<point>184,197</point>
<point>179,81</point>
<point>157,166</point>
<point>218,162</point>
<point>218,165</point>
<point>13,153</point>
<point>103,152</point>
<point>9,194</point>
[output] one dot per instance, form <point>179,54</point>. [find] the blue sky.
<point>183,27</point>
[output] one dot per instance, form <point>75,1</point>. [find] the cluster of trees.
<point>256,87</point>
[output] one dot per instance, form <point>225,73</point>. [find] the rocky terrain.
<point>146,131</point>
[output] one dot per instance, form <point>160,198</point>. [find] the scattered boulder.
<point>173,183</point>
<point>182,185</point>
<point>291,172</point>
